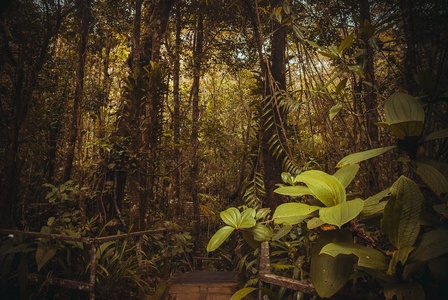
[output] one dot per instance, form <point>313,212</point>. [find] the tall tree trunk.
<point>176,116</point>
<point>83,19</point>
<point>157,19</point>
<point>274,80</point>
<point>194,171</point>
<point>24,81</point>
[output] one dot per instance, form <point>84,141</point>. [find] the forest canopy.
<point>120,115</point>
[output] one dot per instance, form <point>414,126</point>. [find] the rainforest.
<point>298,146</point>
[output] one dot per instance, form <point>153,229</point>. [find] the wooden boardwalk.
<point>203,285</point>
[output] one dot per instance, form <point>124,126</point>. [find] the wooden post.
<point>92,269</point>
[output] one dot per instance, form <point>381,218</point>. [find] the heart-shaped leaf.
<point>342,213</point>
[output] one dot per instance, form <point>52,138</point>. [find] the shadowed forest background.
<point>120,116</point>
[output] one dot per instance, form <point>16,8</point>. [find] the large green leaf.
<point>433,178</point>
<point>234,218</point>
<point>329,274</point>
<point>293,213</point>
<point>345,175</point>
<point>367,257</point>
<point>342,213</point>
<point>219,237</point>
<point>432,244</point>
<point>293,191</point>
<point>324,187</point>
<point>231,217</point>
<point>401,107</point>
<point>247,218</point>
<point>361,156</point>
<point>403,129</point>
<point>404,115</point>
<point>399,256</point>
<point>402,213</point>
<point>372,205</point>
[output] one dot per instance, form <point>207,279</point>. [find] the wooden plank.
<point>71,284</point>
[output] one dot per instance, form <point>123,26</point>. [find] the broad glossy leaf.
<point>334,110</point>
<point>261,233</point>
<point>404,115</point>
<point>361,156</point>
<point>342,213</point>
<point>432,244</point>
<point>433,178</point>
<point>345,175</point>
<point>402,213</point>
<point>293,191</point>
<point>240,294</point>
<point>401,255</point>
<point>293,213</point>
<point>324,187</point>
<point>329,274</point>
<point>367,257</point>
<point>219,237</point>
<point>400,107</point>
<point>231,217</point>
<point>403,129</point>
<point>247,218</point>
<point>441,134</point>
<point>372,205</point>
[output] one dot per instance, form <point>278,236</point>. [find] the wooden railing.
<point>264,274</point>
<point>94,243</point>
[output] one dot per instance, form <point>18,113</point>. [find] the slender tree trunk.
<point>371,111</point>
<point>176,117</point>
<point>83,18</point>
<point>194,171</point>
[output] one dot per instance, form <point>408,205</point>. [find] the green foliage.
<point>329,274</point>
<point>402,213</point>
<point>367,257</point>
<point>330,190</point>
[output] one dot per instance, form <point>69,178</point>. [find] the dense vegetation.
<point>318,126</point>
